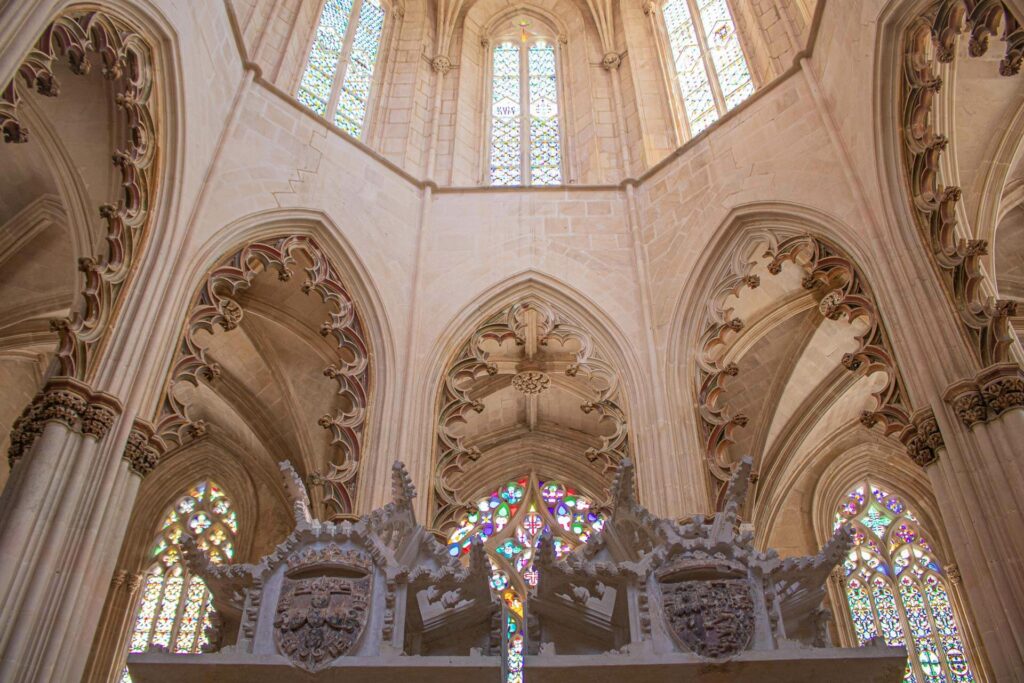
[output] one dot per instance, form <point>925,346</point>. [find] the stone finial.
<point>402,488</point>
<point>297,493</point>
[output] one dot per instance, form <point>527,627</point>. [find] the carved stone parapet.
<point>922,438</point>
<point>991,393</point>
<point>143,449</point>
<point>69,402</point>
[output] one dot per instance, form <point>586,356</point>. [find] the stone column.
<point>62,519</point>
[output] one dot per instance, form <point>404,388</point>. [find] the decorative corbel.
<point>991,393</point>
<point>922,438</point>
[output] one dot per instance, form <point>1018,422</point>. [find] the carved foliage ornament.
<point>127,63</point>
<point>922,438</point>
<point>68,402</point>
<point>993,392</point>
<point>323,607</point>
<point>472,361</point>
<point>711,618</point>
<point>216,305</point>
<point>844,294</point>
<point>929,41</point>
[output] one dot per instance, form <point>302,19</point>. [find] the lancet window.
<point>710,67</point>
<point>339,71</point>
<point>175,607</point>
<point>896,588</point>
<point>510,521</point>
<point>525,131</point>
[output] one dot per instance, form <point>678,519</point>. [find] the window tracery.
<point>510,521</point>
<point>525,130</point>
<point>710,67</point>
<point>175,607</point>
<point>338,77</point>
<point>896,589</point>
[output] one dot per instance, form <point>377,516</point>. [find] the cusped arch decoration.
<point>128,63</point>
<point>216,305</point>
<point>532,323</point>
<point>841,292</point>
<point>929,41</point>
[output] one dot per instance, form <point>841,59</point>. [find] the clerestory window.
<point>338,77</point>
<point>525,128</point>
<point>710,68</point>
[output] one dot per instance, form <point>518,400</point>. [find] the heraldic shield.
<point>321,613</point>
<point>713,617</point>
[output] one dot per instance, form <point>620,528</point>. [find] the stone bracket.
<point>992,392</point>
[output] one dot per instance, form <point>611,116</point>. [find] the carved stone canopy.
<point>530,377</point>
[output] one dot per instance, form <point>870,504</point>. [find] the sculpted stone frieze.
<point>320,618</point>
<point>712,618</point>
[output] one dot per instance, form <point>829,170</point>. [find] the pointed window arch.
<point>710,67</point>
<point>525,129</point>
<point>510,522</point>
<point>339,71</point>
<point>175,607</point>
<point>895,586</point>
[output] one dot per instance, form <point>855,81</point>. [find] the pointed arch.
<point>761,241</point>
<point>290,243</point>
<point>493,319</point>
<point>126,43</point>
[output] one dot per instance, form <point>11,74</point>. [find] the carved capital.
<point>922,438</point>
<point>441,64</point>
<point>69,402</point>
<point>650,7</point>
<point>953,573</point>
<point>991,393</point>
<point>143,449</point>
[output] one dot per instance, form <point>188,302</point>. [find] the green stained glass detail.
<point>876,520</point>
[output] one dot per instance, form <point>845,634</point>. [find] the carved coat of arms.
<point>713,618</point>
<point>320,618</point>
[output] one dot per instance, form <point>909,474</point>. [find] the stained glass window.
<point>896,588</point>
<point>510,521</point>
<point>339,72</point>
<point>174,607</point>
<point>709,64</point>
<point>526,142</point>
